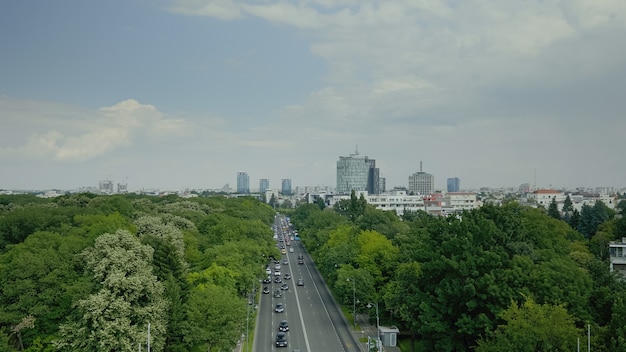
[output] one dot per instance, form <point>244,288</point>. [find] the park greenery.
<point>88,272</point>
<point>85,272</point>
<point>498,278</point>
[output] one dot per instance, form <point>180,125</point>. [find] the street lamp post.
<point>353,299</point>
<point>369,305</point>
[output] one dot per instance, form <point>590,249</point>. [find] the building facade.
<point>421,183</point>
<point>286,186</point>
<point>243,182</point>
<point>454,184</point>
<point>357,173</point>
<point>617,256</point>
<point>264,184</point>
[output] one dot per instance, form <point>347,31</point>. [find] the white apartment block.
<point>544,197</point>
<point>460,200</point>
<point>617,256</point>
<point>400,201</point>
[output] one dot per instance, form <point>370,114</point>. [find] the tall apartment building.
<point>264,184</point>
<point>358,173</point>
<point>454,184</point>
<point>243,182</point>
<point>421,182</point>
<point>286,186</point>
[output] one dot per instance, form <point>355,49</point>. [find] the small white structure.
<point>388,335</point>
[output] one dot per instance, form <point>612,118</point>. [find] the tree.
<point>216,317</point>
<point>273,202</point>
<point>533,327</point>
<point>553,210</point>
<point>574,219</point>
<point>568,206</point>
<point>352,208</point>
<point>116,316</point>
<point>320,203</point>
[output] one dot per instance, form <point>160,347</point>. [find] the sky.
<point>186,93</point>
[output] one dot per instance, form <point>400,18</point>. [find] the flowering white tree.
<point>116,317</point>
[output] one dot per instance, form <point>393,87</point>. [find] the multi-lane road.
<point>315,322</point>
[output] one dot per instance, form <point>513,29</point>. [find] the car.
<point>279,308</point>
<point>283,251</point>
<point>285,261</point>
<point>277,273</point>
<point>277,266</point>
<point>278,280</point>
<point>268,271</point>
<point>300,282</point>
<point>281,339</point>
<point>277,293</point>
<point>268,280</point>
<point>287,276</point>
<point>266,289</point>
<point>284,287</point>
<point>283,326</point>
<point>291,250</point>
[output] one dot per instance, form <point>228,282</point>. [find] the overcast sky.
<point>186,93</point>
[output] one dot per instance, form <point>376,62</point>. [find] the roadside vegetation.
<point>498,278</point>
<point>85,272</point>
<point>91,273</point>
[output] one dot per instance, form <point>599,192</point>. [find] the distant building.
<point>286,186</point>
<point>106,187</point>
<point>617,256</point>
<point>264,184</point>
<point>122,188</point>
<point>460,200</point>
<point>382,185</point>
<point>454,184</point>
<point>357,173</point>
<point>421,182</point>
<point>544,197</point>
<point>243,182</point>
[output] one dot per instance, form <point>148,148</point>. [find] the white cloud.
<point>95,133</point>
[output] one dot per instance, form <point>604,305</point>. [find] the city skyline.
<point>175,94</point>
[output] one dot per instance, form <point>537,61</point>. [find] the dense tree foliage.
<point>487,279</point>
<point>86,272</point>
<point>451,282</point>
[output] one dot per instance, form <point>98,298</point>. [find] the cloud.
<point>63,133</point>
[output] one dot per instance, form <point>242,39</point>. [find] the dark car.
<point>283,325</point>
<point>279,308</point>
<point>287,276</point>
<point>284,287</point>
<point>266,289</point>
<point>277,293</point>
<point>281,339</point>
<point>278,280</point>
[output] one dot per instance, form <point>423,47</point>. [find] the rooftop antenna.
<point>420,166</point>
<point>356,150</point>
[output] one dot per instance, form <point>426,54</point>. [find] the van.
<point>291,250</point>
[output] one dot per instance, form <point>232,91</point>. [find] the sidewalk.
<point>367,329</point>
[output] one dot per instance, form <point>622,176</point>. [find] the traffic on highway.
<point>294,317</point>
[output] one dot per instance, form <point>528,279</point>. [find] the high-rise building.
<point>382,184</point>
<point>357,173</point>
<point>454,184</point>
<point>243,182</point>
<point>264,184</point>
<point>286,186</point>
<point>421,182</point>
